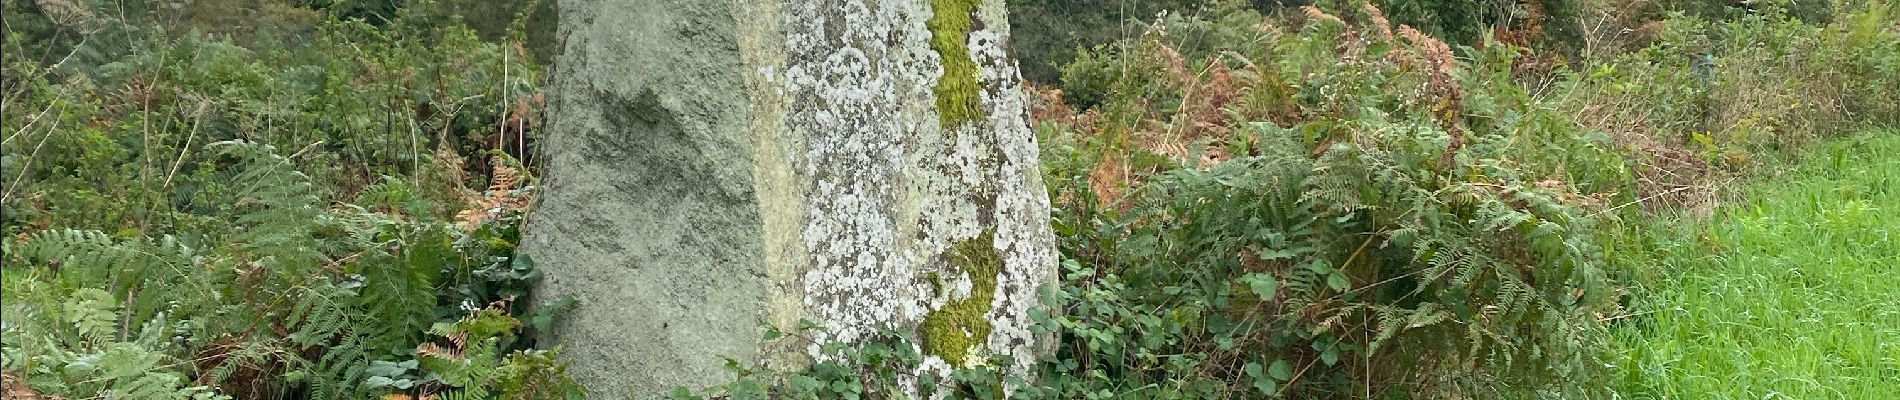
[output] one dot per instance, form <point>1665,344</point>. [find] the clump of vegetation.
<point>330,217</point>
<point>1350,197</point>
<point>1707,97</point>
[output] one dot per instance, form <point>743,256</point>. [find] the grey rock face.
<point>717,165</point>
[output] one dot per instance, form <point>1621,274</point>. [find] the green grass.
<point>1793,293</point>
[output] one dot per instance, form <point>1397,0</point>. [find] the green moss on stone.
<point>936,283</point>
<point>957,92</point>
<point>950,332</point>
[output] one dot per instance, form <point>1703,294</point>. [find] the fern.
<point>1381,217</point>
<point>94,314</point>
<point>238,263</point>
<point>101,362</point>
<point>341,372</point>
<point>401,282</point>
<point>320,320</point>
<point>280,212</point>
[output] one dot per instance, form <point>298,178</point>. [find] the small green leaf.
<point>389,369</point>
<point>772,333</point>
<point>1262,284</point>
<point>733,366</point>
<point>680,393</point>
<point>1319,267</point>
<point>1280,370</point>
<point>1330,356</point>
<point>1338,281</point>
<point>1225,342</point>
<point>523,262</point>
<point>840,387</point>
<point>378,381</point>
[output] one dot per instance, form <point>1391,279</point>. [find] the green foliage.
<point>1363,259</point>
<point>1054,35</point>
<point>533,23</point>
<point>1470,22</point>
<point>98,357</point>
<point>1212,29</point>
<point>474,361</point>
<point>317,297</point>
<point>129,113</point>
<point>190,217</point>
<point>1709,96</point>
<point>1047,35</point>
<point>1808,11</point>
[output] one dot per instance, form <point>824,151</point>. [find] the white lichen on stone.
<point>843,76</point>
<point>893,191</point>
<point>1022,206</point>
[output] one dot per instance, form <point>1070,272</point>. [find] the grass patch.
<point>1794,293</point>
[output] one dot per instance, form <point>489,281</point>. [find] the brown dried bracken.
<point>1046,105</point>
<point>1378,21</point>
<point>1315,14</point>
<point>1442,92</point>
<point>1108,179</point>
<point>1176,64</point>
<point>501,197</point>
<point>1203,114</point>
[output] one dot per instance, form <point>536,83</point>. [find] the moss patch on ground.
<point>950,332</point>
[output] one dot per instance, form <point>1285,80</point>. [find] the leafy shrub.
<point>355,103</point>
<point>299,299</point>
<point>1348,198</point>
<point>1709,95</point>
<point>193,217</point>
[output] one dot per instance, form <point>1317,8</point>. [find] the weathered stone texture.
<point>718,164</point>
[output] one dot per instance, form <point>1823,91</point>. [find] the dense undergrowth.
<point>1393,218</point>
<point>327,213</point>
<point>1316,202</point>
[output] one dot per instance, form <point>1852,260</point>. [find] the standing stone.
<point>714,166</point>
